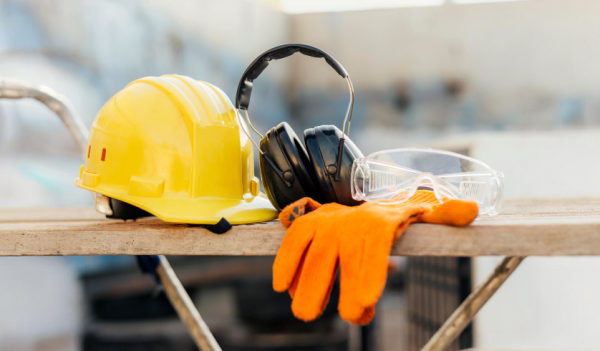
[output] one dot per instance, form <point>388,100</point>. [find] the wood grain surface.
<point>525,227</point>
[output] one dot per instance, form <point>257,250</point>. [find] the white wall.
<point>544,45</point>
<point>549,303</point>
<point>526,65</point>
<point>42,305</point>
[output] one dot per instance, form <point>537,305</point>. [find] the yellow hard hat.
<point>172,147</point>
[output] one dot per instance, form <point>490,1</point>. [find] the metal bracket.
<point>464,314</point>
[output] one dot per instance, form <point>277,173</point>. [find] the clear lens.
<point>394,176</point>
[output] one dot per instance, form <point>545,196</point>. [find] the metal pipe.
<point>464,314</point>
<point>57,103</point>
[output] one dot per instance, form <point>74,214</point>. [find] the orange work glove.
<point>358,240</point>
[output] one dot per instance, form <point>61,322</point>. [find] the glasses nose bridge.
<point>428,180</point>
<point>425,178</point>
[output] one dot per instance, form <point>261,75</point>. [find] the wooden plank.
<point>49,214</point>
<point>527,227</point>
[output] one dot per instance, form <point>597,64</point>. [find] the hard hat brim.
<point>179,208</point>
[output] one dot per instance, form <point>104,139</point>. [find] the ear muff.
<point>282,147</point>
<point>322,144</point>
<point>290,172</point>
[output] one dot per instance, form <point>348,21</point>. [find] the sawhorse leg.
<point>185,308</point>
<point>464,314</point>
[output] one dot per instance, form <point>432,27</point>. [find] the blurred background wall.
<point>89,50</point>
<point>436,71</point>
<point>511,83</point>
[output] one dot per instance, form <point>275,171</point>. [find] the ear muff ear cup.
<point>287,152</point>
<point>322,144</point>
<point>319,166</point>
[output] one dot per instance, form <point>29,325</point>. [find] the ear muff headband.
<point>242,97</point>
<point>244,90</point>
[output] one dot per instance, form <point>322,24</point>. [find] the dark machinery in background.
<point>435,287</point>
<point>126,312</point>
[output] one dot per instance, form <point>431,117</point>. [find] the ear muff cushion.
<point>322,144</point>
<point>322,178</point>
<point>280,144</point>
<point>293,149</point>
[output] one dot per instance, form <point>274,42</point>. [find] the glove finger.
<point>373,272</point>
<point>351,258</point>
<point>297,209</point>
<point>365,318</point>
<point>294,285</point>
<point>298,238</point>
<point>453,212</point>
<point>316,278</point>
<point>294,245</point>
<point>328,293</point>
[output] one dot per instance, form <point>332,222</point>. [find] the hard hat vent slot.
<point>89,150</point>
<point>103,155</point>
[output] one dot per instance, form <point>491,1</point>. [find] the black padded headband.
<point>242,96</point>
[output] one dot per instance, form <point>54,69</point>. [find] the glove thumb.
<point>453,212</point>
<point>297,209</point>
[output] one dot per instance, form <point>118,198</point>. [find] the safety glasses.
<point>393,176</point>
